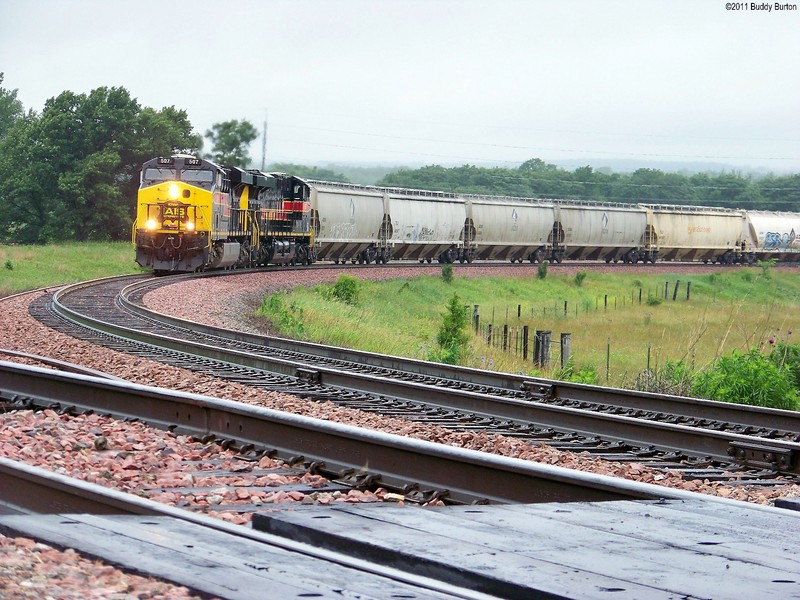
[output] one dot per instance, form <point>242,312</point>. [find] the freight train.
<point>193,215</point>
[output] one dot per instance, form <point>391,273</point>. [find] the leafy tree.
<point>10,108</point>
<point>229,142</point>
<point>70,173</point>
<point>537,165</point>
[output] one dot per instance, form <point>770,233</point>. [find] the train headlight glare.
<point>189,226</point>
<point>174,192</point>
<point>151,224</point>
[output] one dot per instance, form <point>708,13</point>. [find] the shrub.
<point>750,378</point>
<point>541,270</point>
<point>787,356</point>
<point>288,319</point>
<point>9,265</point>
<point>346,289</point>
<point>766,265</point>
<point>452,337</point>
<point>586,374</point>
<point>579,277</point>
<point>653,301</point>
<point>447,273</point>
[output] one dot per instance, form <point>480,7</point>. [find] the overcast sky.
<point>436,82</point>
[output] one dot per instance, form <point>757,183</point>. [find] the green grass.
<point>734,309</point>
<point>31,267</point>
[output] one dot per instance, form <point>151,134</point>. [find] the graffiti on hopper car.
<point>774,240</point>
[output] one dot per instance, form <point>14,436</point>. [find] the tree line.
<point>537,179</point>
<point>70,172</point>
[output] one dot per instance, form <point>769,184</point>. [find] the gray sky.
<point>436,82</point>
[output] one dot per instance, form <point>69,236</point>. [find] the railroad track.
<point>415,468</point>
<point>702,439</point>
<point>411,553</point>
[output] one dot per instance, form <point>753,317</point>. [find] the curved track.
<point>703,439</point>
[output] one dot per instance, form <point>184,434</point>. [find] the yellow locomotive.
<point>193,214</point>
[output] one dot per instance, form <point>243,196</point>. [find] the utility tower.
<point>264,144</point>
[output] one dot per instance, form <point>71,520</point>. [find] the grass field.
<point>32,267</point>
<point>611,331</point>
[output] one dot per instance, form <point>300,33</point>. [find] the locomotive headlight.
<point>174,192</point>
<point>189,226</point>
<point>151,224</point>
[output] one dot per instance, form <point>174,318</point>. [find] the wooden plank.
<point>739,533</point>
<point>207,561</point>
<point>451,547</point>
<point>518,543</point>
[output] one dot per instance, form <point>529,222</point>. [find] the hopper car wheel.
<point>421,260</point>
<point>429,259</point>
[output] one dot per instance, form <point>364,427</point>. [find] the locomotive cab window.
<point>153,175</point>
<point>202,177</point>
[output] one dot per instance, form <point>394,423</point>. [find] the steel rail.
<point>467,475</point>
<point>780,455</point>
<point>58,364</point>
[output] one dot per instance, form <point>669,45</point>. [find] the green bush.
<point>653,301</point>
<point>766,265</point>
<point>287,319</point>
<point>346,289</point>
<point>9,265</point>
<point>541,270</point>
<point>579,277</point>
<point>750,378</point>
<point>787,356</point>
<point>587,374</point>
<point>452,337</point>
<point>447,273</point>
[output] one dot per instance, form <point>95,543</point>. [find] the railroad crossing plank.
<point>207,561</point>
<point>635,549</point>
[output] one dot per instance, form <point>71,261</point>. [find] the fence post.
<point>546,349</point>
<point>688,289</point>
<point>541,348</point>
<point>566,347</point>
<point>505,337</point>
<point>666,290</point>
<point>489,335</point>
<point>565,308</point>
<point>476,317</point>
<point>675,291</point>
<point>524,342</point>
<point>519,311</point>
<point>640,295</point>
